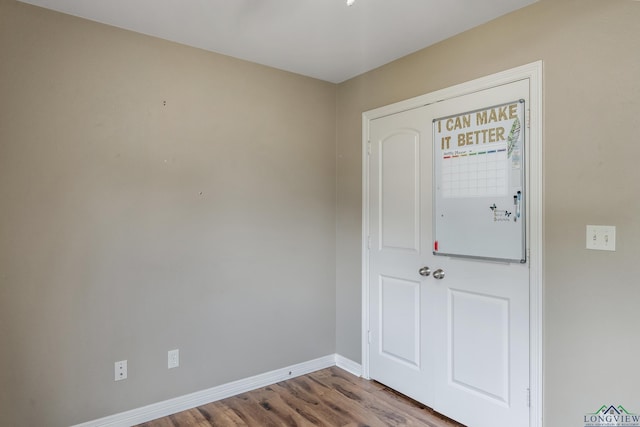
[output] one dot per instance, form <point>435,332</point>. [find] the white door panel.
<point>479,331</point>
<point>400,311</point>
<point>459,344</point>
<point>398,191</point>
<point>486,336</point>
<point>398,295</point>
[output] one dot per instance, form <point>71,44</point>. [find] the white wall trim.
<point>349,365</point>
<point>188,401</point>
<point>533,72</point>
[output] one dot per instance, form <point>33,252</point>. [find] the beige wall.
<point>129,227</point>
<point>591,54</point>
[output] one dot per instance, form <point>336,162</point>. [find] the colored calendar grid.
<point>481,173</point>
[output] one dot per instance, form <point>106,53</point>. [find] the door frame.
<point>533,72</point>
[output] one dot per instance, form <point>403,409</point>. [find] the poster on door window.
<point>479,193</point>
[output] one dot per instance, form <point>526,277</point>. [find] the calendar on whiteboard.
<point>479,183</point>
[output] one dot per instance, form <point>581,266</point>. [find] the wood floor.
<point>330,397</point>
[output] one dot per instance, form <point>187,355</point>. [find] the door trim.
<point>533,72</point>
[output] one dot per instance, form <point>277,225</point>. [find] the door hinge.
<point>369,337</point>
<point>369,242</point>
<point>368,148</point>
<point>528,119</point>
<point>528,398</point>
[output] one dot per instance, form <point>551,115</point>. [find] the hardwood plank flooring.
<point>328,398</point>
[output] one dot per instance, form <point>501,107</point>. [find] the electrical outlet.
<point>120,370</point>
<point>173,358</point>
<point>601,237</point>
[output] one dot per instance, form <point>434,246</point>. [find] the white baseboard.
<point>188,401</point>
<point>349,365</point>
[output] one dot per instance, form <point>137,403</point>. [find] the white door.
<point>401,307</point>
<point>459,344</point>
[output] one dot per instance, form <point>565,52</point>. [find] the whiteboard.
<point>479,175</point>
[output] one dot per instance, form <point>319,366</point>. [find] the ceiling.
<point>325,39</point>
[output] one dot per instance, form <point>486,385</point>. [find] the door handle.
<point>438,274</point>
<point>424,271</point>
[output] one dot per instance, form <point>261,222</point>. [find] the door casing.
<point>533,72</point>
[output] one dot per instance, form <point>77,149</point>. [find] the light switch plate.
<point>601,237</point>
